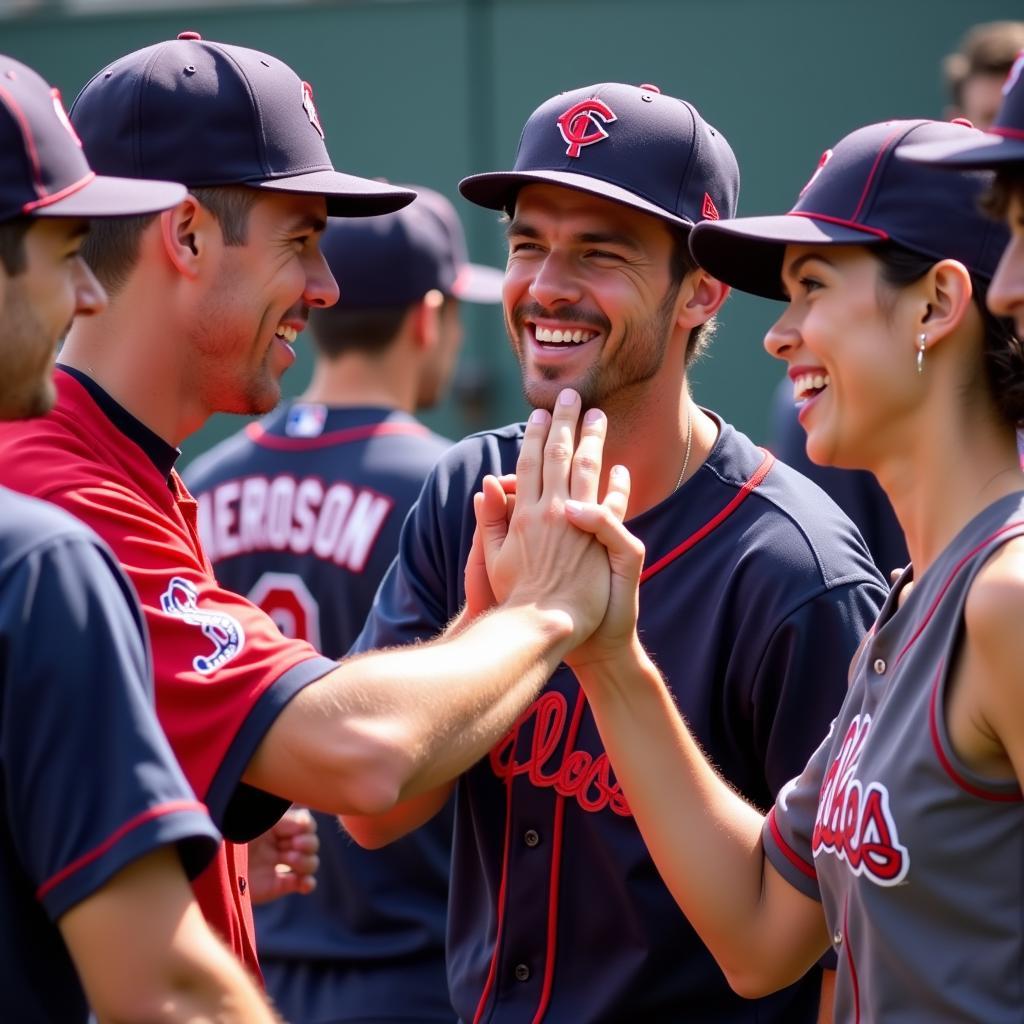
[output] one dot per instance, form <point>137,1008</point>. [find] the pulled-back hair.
<point>1003,350</point>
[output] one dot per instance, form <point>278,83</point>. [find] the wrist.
<point>617,667</point>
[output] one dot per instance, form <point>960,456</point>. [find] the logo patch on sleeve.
<point>223,631</point>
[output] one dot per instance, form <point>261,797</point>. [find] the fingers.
<point>296,821</point>
<point>616,498</point>
<point>586,462</point>
<point>623,548</point>
<point>531,456</point>
<point>560,445</point>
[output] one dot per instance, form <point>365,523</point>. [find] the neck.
<point>358,380</point>
<point>145,375</point>
<point>946,475</point>
<point>648,435</point>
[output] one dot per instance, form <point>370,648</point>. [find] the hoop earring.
<point>921,339</point>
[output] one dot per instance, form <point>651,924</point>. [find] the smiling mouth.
<point>286,334</point>
<point>809,385</point>
<point>548,336</point>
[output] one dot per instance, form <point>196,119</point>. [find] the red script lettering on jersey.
<point>854,821</point>
<point>581,775</point>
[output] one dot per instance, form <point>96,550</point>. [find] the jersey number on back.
<point>287,600</point>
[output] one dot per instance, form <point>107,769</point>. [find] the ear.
<point>189,232</point>
<point>947,292</point>
<point>700,297</point>
<point>427,320</point>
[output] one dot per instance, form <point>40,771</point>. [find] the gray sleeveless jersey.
<point>918,862</point>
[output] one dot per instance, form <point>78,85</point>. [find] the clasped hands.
<point>545,537</point>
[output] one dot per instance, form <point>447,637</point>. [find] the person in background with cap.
<point>206,299</point>
<point>753,580</point>
<point>99,831</point>
<point>369,942</point>
<point>901,841</point>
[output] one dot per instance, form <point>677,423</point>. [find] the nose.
<point>554,283</point>
<point>321,288</point>
<point>1006,293</point>
<point>782,337</point>
<point>90,296</point>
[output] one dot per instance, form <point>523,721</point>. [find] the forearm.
<point>388,725</point>
<point>703,837</point>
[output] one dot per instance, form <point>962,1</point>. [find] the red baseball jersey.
<point>223,671</point>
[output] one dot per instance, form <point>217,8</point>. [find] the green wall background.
<point>431,90</point>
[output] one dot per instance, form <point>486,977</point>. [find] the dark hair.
<point>1009,182</point>
<point>112,246</point>
<point>337,330</point>
<point>987,49</point>
<point>1004,351</point>
<point>12,244</point>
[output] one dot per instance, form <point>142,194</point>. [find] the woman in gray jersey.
<point>901,844</point>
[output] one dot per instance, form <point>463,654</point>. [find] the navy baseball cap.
<point>1000,145</point>
<point>860,194</point>
<point>627,143</point>
<point>43,171</point>
<point>392,261</point>
<point>206,113</point>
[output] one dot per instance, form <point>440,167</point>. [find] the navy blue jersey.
<point>856,491</point>
<point>302,512</point>
<point>756,591</point>
<point>88,782</point>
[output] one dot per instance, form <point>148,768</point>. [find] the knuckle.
<point>557,451</point>
<point>586,463</point>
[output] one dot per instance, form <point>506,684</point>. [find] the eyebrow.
<point>797,264</point>
<point>309,222</point>
<point>523,230</point>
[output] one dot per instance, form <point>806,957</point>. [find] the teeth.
<point>288,333</point>
<point>808,384</point>
<point>556,337</point>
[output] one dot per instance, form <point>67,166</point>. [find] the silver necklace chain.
<point>689,445</point>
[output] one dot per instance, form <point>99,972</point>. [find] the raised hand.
<point>535,555</point>
<point>285,858</point>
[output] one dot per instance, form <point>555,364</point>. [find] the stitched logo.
<point>824,159</point>
<point>854,821</point>
<point>310,108</point>
<point>223,631</point>
<point>583,125</point>
<point>582,776</point>
<point>709,211</point>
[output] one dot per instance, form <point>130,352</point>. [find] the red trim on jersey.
<point>1006,133</point>
<point>261,436</point>
<point>556,869</point>
<point>854,983</point>
<point>969,787</point>
<point>502,899</point>
<point>715,521</point>
<point>949,582</point>
<point>30,144</point>
<point>788,852</point>
<point>878,232</point>
<point>62,194</point>
<point>171,807</point>
<point>874,168</point>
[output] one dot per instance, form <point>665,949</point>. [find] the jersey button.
<point>531,837</point>
<point>880,666</point>
<point>522,972</point>
<point>837,938</point>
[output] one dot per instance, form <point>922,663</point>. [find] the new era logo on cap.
<point>630,144</point>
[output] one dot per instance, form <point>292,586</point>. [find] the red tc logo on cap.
<point>583,125</point>
<point>310,108</point>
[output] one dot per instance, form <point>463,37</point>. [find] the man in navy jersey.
<point>99,831</point>
<point>756,586</point>
<point>368,943</point>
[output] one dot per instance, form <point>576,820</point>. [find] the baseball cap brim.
<point>747,252</point>
<point>103,196</point>
<point>347,195</point>
<point>476,283</point>
<point>992,152</point>
<point>497,190</point>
